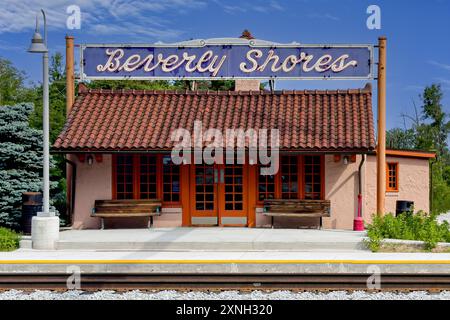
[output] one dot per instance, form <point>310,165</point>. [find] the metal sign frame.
<point>199,43</point>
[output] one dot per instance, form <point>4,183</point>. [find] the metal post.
<point>44,226</point>
<point>70,97</point>
<point>46,129</point>
<point>381,149</point>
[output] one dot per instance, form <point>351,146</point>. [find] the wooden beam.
<point>381,148</point>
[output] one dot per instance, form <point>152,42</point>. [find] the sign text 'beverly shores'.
<point>226,59</point>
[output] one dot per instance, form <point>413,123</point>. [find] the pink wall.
<point>94,182</point>
<point>414,185</point>
<point>341,187</point>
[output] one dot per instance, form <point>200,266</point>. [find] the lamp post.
<point>45,227</point>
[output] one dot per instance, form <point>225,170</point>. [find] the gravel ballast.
<point>225,295</point>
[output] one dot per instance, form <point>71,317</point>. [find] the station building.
<point>120,145</point>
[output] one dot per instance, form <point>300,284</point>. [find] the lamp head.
<point>37,43</point>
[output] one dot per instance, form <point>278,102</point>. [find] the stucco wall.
<point>341,188</point>
<point>414,185</point>
<point>93,182</point>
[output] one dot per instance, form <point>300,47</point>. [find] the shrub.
<point>9,240</point>
<point>407,226</point>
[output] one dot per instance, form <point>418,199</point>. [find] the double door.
<point>219,194</point>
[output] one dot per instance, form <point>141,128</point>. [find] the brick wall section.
<point>246,85</point>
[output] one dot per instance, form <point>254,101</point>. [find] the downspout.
<point>359,174</point>
<point>430,190</point>
<point>71,207</point>
<point>358,222</point>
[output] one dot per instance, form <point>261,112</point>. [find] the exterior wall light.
<point>90,160</point>
<point>345,159</point>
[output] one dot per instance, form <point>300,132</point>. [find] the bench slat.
<point>126,208</point>
<point>126,215</point>
<point>297,208</point>
<point>296,215</point>
<point>124,211</point>
<point>126,201</point>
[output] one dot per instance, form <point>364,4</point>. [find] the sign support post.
<point>381,146</point>
<point>70,97</point>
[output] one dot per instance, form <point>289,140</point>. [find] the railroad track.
<point>218,282</point>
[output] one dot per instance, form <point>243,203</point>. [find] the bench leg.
<point>150,222</point>
<point>320,225</point>
<point>272,222</point>
<point>103,223</point>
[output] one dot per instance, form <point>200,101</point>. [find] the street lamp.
<point>45,227</point>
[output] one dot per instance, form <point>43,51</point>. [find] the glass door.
<point>233,195</point>
<point>204,204</point>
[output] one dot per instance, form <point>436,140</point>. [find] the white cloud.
<point>413,87</point>
<point>133,17</point>
<point>261,6</point>
<point>327,16</point>
<point>440,65</point>
<point>445,83</point>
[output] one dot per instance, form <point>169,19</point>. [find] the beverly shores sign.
<point>226,59</point>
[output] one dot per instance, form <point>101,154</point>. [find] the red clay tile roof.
<point>112,120</point>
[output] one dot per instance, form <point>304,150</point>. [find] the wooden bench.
<point>297,208</point>
<point>127,209</point>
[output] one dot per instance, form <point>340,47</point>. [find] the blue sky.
<point>418,33</point>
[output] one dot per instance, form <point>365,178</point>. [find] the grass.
<point>397,247</point>
<point>9,240</point>
<point>407,226</point>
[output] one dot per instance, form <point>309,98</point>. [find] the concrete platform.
<point>249,262</point>
<point>212,239</point>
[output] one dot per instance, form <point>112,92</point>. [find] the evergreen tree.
<point>20,161</point>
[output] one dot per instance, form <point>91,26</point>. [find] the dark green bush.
<point>407,226</point>
<point>9,240</point>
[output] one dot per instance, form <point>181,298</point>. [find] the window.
<point>266,186</point>
<point>392,176</point>
<point>299,177</point>
<point>171,180</point>
<point>148,186</point>
<point>289,177</point>
<point>312,173</point>
<point>124,177</point>
<point>146,176</point>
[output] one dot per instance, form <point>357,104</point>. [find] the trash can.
<point>404,206</point>
<point>31,205</point>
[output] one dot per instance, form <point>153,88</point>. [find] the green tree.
<point>12,88</point>
<point>20,161</point>
<point>131,84</point>
<point>436,127</point>
<point>430,130</point>
<point>398,138</point>
<point>57,99</point>
<point>57,113</point>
